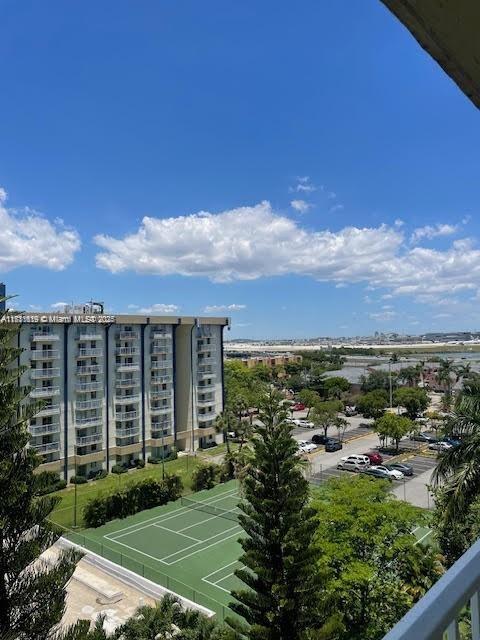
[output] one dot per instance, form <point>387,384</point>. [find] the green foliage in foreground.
<point>373,570</point>
<point>32,594</point>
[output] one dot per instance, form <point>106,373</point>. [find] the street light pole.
<point>390,381</point>
<point>163,453</point>
<point>75,488</point>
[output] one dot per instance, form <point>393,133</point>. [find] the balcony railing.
<point>93,438</point>
<point>91,334</point>
<point>159,335</point>
<point>164,365</point>
<point>44,354</point>
<point>128,366</point>
<point>436,615</point>
<point>83,405</point>
<point>127,383</point>
<point>48,411</point>
<point>206,348</point>
<point>205,402</point>
<point>88,369</point>
<point>160,410</point>
<point>88,422</point>
<point>204,361</point>
<point>161,348</point>
<point>41,374</point>
<point>127,351</point>
<point>127,433</point>
<point>85,353</point>
<point>43,336</point>
<point>127,399</point>
<point>44,392</point>
<point>44,429</point>
<point>127,335</point>
<point>162,393</point>
<point>206,417</point>
<point>121,416</point>
<point>160,379</point>
<point>46,448</point>
<point>89,386</point>
<point>158,434</point>
<point>206,387</point>
<point>203,375</point>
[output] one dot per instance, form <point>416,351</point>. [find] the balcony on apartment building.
<point>42,374</point>
<point>127,335</point>
<point>436,615</point>
<point>91,438</point>
<point>47,411</point>
<point>206,348</point>
<point>49,447</point>
<point>88,369</point>
<point>128,366</point>
<point>160,379</point>
<point>206,402</point>
<point>161,335</point>
<point>206,387</point>
<point>89,421</point>
<point>127,382</point>
<point>89,352</point>
<point>160,409</point>
<point>127,432</point>
<point>44,336</point>
<point>44,354</point>
<point>127,399</point>
<point>92,403</point>
<point>89,334</point>
<point>44,429</point>
<point>205,375</point>
<point>161,347</point>
<point>205,361</point>
<point>44,392</point>
<point>127,351</point>
<point>89,386</point>
<point>161,393</point>
<point>122,416</point>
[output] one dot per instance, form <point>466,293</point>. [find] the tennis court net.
<point>229,514</point>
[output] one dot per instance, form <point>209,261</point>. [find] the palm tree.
<point>458,470</point>
<point>222,425</point>
<point>444,374</point>
<point>464,370</point>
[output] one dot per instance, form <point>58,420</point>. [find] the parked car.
<point>306,447</point>
<point>351,411</point>
<point>392,473</point>
<point>298,406</point>
<point>374,457</point>
<point>305,424</point>
<point>406,469</point>
<point>440,446</point>
<point>455,442</point>
<point>332,445</point>
<point>354,462</point>
<point>423,437</point>
<point>320,438</point>
<point>377,473</point>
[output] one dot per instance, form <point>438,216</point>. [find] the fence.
<point>162,579</point>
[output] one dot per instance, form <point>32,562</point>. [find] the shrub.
<point>48,481</point>
<point>98,474</point>
<point>146,494</point>
<point>205,477</point>
<point>139,463</point>
<point>153,460</point>
<point>119,468</point>
<point>78,480</point>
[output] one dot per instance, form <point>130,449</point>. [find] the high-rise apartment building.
<point>117,388</point>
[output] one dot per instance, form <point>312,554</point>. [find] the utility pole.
<point>390,381</point>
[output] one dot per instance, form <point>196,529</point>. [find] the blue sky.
<point>335,164</point>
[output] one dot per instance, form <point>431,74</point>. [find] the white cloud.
<point>387,306</point>
<point>303,185</point>
<point>382,316</point>
<point>28,239</point>
<point>218,308</point>
<point>254,242</point>
<point>301,206</point>
<point>59,305</point>
<point>336,207</point>
<point>158,308</point>
<point>435,231</point>
<point>242,324</point>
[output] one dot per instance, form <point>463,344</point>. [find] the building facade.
<point>117,388</point>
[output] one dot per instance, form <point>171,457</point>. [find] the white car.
<point>354,462</point>
<point>306,447</point>
<point>393,473</point>
<point>305,424</point>
<point>440,446</point>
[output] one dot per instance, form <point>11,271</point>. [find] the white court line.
<point>229,575</point>
<point>159,526</point>
<point>213,584</point>
<point>178,512</point>
<point>423,537</point>
<point>203,548</point>
<point>207,520</point>
<point>218,570</point>
<point>194,545</point>
<point>143,553</point>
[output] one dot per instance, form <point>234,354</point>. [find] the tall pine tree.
<point>32,592</point>
<point>283,598</point>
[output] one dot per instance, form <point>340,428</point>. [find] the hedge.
<point>146,494</point>
<point>78,480</point>
<point>47,482</point>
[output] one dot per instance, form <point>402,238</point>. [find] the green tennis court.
<point>190,546</point>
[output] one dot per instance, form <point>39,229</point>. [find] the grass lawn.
<point>220,449</point>
<point>63,513</point>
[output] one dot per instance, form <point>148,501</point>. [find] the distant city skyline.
<point>306,170</point>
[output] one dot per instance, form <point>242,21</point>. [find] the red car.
<point>374,457</point>
<point>298,406</point>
